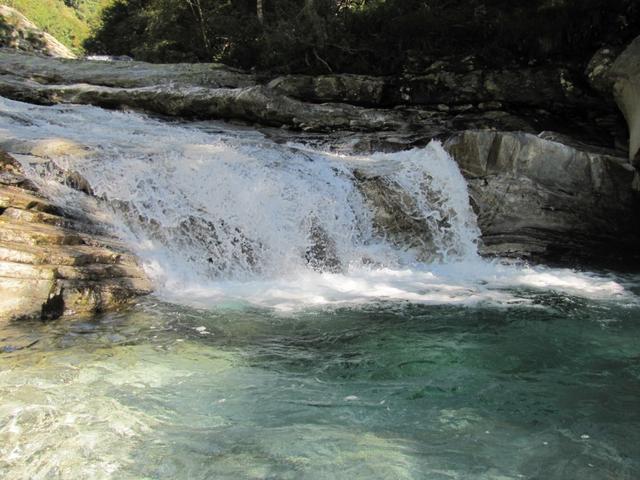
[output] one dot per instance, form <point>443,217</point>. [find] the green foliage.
<point>361,36</point>
<point>70,21</point>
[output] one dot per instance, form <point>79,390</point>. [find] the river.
<point>317,314</point>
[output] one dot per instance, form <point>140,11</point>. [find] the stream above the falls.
<point>316,315</point>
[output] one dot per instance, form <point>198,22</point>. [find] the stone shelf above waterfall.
<point>433,105</point>
<point>53,263</point>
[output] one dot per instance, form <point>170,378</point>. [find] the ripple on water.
<point>376,392</point>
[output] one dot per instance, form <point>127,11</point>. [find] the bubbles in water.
<point>215,206</point>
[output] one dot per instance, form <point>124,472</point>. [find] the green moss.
<point>70,25</point>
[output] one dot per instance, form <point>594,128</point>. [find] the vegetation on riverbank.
<point>362,36</point>
<point>70,21</point>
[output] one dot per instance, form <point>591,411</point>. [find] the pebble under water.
<point>547,390</point>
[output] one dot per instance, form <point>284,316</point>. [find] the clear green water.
<point>471,369</point>
<point>550,391</point>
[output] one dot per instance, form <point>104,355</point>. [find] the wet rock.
<point>76,181</point>
<point>11,174</point>
<point>548,200</point>
<point>46,148</point>
<point>322,254</point>
<point>14,347</point>
<point>54,264</point>
<point>53,307</point>
<point>598,70</point>
<point>224,247</point>
<point>396,217</point>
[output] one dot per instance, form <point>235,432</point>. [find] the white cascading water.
<point>230,216</point>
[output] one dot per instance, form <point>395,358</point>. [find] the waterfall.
<point>235,206</point>
<point>219,211</point>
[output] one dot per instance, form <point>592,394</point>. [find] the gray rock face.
<point>53,263</point>
<point>120,74</point>
<point>16,31</point>
<point>540,198</point>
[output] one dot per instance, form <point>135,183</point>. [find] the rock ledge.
<point>53,263</point>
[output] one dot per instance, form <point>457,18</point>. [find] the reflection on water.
<point>381,391</point>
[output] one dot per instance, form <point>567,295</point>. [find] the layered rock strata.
<point>53,262</point>
<point>18,32</point>
<point>434,104</point>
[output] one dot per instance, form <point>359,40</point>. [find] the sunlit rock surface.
<point>625,75</point>
<point>17,32</point>
<point>55,263</point>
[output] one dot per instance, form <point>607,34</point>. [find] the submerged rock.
<point>322,253</point>
<point>396,217</point>
<point>53,263</point>
<point>540,198</point>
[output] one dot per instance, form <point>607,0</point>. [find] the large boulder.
<point>54,262</point>
<point>537,197</point>
<point>16,31</point>
<point>625,77</point>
